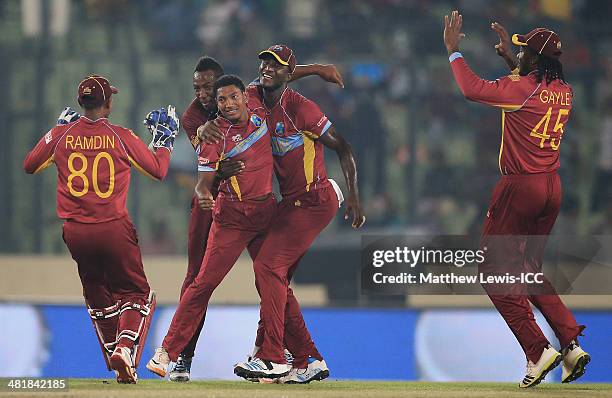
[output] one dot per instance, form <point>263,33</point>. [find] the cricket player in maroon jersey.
<point>242,211</point>
<point>535,104</point>
<point>93,159</point>
<point>202,109</point>
<point>300,131</point>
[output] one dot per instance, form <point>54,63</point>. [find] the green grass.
<point>220,389</point>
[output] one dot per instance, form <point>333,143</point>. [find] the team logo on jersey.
<point>237,138</point>
<point>48,137</point>
<point>203,161</point>
<point>280,128</point>
<point>324,118</point>
<point>256,120</point>
<point>195,141</point>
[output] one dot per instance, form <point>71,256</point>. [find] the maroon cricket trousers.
<point>110,268</point>
<point>522,207</point>
<point>200,222</point>
<point>298,222</point>
<point>236,225</point>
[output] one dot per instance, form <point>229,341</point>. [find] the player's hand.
<point>205,200</point>
<point>151,120</point>
<point>229,168</point>
<point>353,208</point>
<point>68,115</point>
<point>330,73</point>
<point>210,133</point>
<point>166,127</point>
<point>504,47</point>
<point>452,31</point>
<point>163,116</point>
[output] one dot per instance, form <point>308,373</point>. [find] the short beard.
<point>272,88</point>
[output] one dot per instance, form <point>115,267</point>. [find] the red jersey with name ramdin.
<point>534,116</point>
<point>248,142</point>
<point>93,160</point>
<point>195,116</point>
<point>295,124</point>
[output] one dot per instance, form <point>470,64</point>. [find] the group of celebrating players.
<point>243,135</point>
<point>250,134</point>
<point>261,129</point>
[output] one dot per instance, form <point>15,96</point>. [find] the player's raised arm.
<point>505,92</point>
<point>41,156</point>
<point>163,125</point>
<point>328,72</point>
<point>152,164</point>
<point>504,47</point>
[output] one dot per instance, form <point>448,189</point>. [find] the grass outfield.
<point>219,389</point>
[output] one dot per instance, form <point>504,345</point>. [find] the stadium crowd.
<point>427,158</point>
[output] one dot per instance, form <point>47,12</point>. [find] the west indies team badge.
<point>256,120</point>
<point>280,128</point>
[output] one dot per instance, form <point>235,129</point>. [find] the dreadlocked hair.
<point>551,68</point>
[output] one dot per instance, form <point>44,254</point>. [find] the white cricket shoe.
<point>288,358</point>
<point>316,371</point>
<point>288,355</point>
<point>121,363</point>
<point>159,363</point>
<point>181,372</point>
<point>536,372</point>
<point>575,360</point>
<point>257,368</point>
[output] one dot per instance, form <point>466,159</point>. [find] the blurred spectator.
<point>425,155</point>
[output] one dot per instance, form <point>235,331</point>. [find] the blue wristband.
<point>454,56</point>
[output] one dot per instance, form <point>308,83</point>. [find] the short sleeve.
<point>190,125</point>
<point>208,158</point>
<point>309,118</point>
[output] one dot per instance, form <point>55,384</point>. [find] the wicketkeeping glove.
<point>68,115</point>
<point>163,124</point>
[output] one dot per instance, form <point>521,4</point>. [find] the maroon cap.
<point>283,54</point>
<point>94,90</point>
<point>541,40</point>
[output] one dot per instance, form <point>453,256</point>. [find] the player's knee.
<point>203,286</point>
<point>263,268</point>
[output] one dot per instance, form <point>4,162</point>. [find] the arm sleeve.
<point>152,164</point>
<point>208,158</point>
<point>190,126</point>
<point>42,155</point>
<point>506,93</point>
<point>309,118</point>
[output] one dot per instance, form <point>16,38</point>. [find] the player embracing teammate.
<point>536,103</point>
<point>202,109</point>
<point>93,159</point>
<point>309,203</point>
<point>299,132</point>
